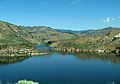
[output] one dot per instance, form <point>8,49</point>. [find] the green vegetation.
<point>26,82</point>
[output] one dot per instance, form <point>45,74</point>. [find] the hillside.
<point>46,34</point>
<point>14,35</point>
<point>106,43</point>
<point>15,40</point>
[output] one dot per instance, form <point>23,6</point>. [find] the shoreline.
<point>70,50</point>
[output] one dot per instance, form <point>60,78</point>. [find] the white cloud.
<point>107,20</point>
<point>74,2</point>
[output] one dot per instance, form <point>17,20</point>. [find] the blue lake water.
<point>42,47</point>
<point>58,68</point>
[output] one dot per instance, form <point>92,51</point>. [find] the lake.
<point>61,68</point>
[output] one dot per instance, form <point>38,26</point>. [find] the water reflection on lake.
<point>62,68</point>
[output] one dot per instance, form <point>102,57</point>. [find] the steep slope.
<point>12,34</point>
<point>14,41</point>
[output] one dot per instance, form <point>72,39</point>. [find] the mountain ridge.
<point>87,32</point>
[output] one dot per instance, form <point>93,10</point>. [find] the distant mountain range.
<point>71,31</point>
<point>99,32</point>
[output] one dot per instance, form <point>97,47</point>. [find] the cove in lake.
<point>61,68</point>
<point>43,47</point>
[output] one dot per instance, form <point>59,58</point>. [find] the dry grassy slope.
<point>101,42</point>
<point>113,33</point>
<point>116,41</point>
<point>47,34</point>
<point>14,34</point>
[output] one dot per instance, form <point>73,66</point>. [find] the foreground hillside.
<point>14,41</point>
<point>14,33</point>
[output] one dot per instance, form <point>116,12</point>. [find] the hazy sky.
<point>62,14</point>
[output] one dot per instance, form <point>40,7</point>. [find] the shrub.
<point>26,82</point>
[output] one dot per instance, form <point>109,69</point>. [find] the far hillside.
<point>47,34</point>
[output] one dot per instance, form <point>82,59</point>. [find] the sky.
<point>62,14</point>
